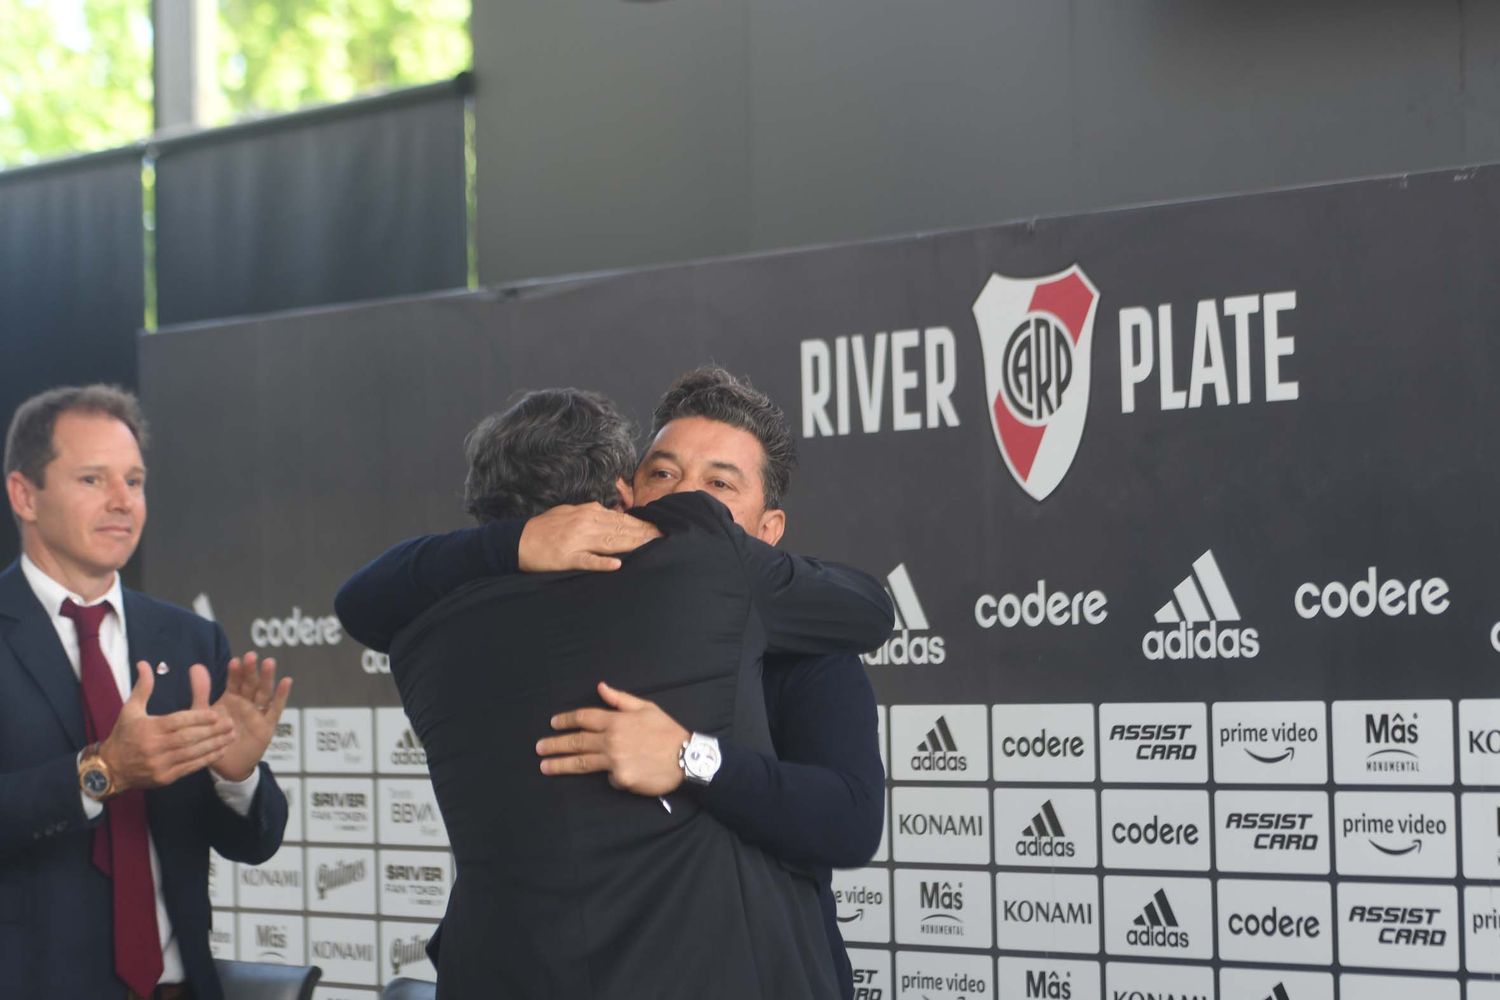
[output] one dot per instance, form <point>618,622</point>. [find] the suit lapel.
<point>28,631</point>
<point>144,635</point>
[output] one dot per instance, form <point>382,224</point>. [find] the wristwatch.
<point>699,759</point>
<point>94,778</point>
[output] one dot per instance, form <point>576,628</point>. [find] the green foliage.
<point>279,55</point>
<point>74,76</point>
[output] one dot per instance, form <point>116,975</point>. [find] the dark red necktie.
<point>121,848</point>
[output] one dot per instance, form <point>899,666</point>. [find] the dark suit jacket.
<point>56,928</point>
<point>566,887</point>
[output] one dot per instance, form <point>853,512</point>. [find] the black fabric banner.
<point>365,200</point>
<point>72,284</point>
<point>1188,515</point>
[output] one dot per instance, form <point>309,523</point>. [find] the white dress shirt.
<point>112,640</point>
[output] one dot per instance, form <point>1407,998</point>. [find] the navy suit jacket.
<point>56,927</point>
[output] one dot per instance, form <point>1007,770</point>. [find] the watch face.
<point>701,759</point>
<point>96,783</point>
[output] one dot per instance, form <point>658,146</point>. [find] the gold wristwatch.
<point>94,778</point>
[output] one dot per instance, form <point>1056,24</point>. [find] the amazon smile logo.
<point>1283,742</point>
<point>1287,754</point>
<point>1396,852</point>
<point>1389,834</point>
<point>861,897</point>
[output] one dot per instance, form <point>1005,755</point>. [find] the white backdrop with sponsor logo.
<point>1187,513</point>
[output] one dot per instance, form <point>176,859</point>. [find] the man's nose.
<point>120,495</point>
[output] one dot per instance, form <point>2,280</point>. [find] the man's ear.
<point>21,492</point>
<point>627,495</point>
<point>772,526</point>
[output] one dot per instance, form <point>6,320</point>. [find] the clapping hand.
<point>253,701</point>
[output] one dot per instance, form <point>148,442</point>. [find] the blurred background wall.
<point>615,134</point>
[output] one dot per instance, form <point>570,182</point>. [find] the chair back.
<point>265,981</point>
<point>409,989</point>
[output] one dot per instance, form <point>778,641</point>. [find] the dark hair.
<point>555,446</point>
<point>29,447</point>
<point>714,394</point>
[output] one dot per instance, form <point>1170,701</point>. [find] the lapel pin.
<point>161,669</point>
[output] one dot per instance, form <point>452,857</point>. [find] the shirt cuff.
<point>237,795</point>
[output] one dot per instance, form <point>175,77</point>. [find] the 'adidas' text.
<point>939,751</point>
<point>904,648</point>
<point>1199,605</point>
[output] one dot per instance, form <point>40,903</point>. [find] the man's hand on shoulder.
<point>633,740</point>
<point>580,537</point>
<point>149,751</point>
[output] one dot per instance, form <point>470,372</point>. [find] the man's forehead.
<point>700,435</point>
<point>92,438</point>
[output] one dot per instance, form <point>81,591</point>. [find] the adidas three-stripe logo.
<point>1202,597</point>
<point>407,750</point>
<point>912,642</point>
<point>1158,912</point>
<point>1201,621</point>
<point>1279,993</point>
<point>1157,926</point>
<point>909,613</point>
<point>939,755</point>
<point>939,739</point>
<point>1045,823</point>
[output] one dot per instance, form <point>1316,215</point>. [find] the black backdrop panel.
<point>341,430</point>
<point>72,284</point>
<point>1245,418</point>
<point>361,202</point>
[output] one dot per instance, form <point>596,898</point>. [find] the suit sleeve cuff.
<point>501,543</point>
<point>237,795</point>
<point>730,782</point>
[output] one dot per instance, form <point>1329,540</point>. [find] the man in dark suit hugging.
<point>576,888</point>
